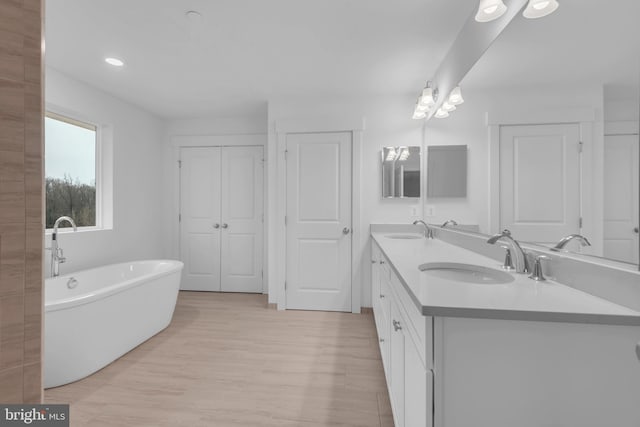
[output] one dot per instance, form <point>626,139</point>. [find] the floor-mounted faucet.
<point>428,232</point>
<point>57,256</point>
<point>519,256</point>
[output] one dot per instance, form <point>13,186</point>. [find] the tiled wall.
<point>21,201</point>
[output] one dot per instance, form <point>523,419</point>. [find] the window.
<point>71,183</point>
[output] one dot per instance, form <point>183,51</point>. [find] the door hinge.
<point>285,220</point>
<point>285,285</point>
<point>580,146</point>
<point>179,163</point>
<point>285,153</point>
<point>179,217</point>
<point>580,222</point>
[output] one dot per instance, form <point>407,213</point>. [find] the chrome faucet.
<point>562,243</point>
<point>428,232</point>
<point>449,222</point>
<point>57,256</point>
<point>519,256</point>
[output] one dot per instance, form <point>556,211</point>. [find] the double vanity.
<point>465,342</point>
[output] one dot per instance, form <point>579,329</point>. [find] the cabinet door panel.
<point>397,371</point>
<point>417,388</point>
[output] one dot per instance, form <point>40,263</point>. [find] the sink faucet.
<point>449,222</point>
<point>428,232</point>
<point>57,256</point>
<point>520,257</point>
<point>561,244</point>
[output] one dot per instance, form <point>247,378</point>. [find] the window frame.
<point>78,120</point>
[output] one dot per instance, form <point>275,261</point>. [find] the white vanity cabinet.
<point>403,351</point>
<point>491,370</point>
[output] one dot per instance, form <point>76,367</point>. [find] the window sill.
<point>67,230</point>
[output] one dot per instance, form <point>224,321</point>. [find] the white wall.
<point>468,125</point>
<point>137,177</point>
<point>388,123</point>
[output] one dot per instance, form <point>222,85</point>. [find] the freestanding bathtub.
<point>92,317</point>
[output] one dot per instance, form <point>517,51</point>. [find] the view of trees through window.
<point>70,171</point>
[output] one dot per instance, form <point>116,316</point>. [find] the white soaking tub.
<point>93,317</point>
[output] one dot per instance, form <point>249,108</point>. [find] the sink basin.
<point>404,236</point>
<point>466,273</point>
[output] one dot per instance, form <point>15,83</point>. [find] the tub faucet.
<point>57,256</point>
<point>428,232</point>
<point>561,244</point>
<point>519,256</point>
<point>449,222</point>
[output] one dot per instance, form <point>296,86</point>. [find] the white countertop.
<point>522,299</point>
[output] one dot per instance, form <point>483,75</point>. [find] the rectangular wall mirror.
<point>447,171</point>
<point>401,172</point>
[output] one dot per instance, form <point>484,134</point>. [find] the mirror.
<point>447,171</point>
<point>554,104</point>
<point>401,172</point>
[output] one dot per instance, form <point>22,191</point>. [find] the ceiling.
<point>241,53</point>
<point>585,42</point>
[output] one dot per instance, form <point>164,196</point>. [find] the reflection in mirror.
<point>401,172</point>
<point>447,171</point>
<point>554,105</point>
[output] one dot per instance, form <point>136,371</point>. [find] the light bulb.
<point>441,114</point>
<point>539,8</point>
<point>488,10</point>
<point>417,115</point>
<point>541,5</point>
<point>448,107</point>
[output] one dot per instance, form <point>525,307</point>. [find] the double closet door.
<point>221,218</point>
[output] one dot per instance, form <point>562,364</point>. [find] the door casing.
<point>173,183</point>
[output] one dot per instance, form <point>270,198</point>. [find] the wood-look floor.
<point>227,360</point>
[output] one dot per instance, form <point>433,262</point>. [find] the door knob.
<point>345,230</point>
<point>636,230</point>
<point>225,225</point>
<point>216,225</point>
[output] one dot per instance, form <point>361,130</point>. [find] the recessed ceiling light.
<point>114,61</point>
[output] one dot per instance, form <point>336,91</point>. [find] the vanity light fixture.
<point>455,97</point>
<point>441,114</point>
<point>489,10</point>
<point>114,61</point>
<point>404,154</point>
<point>540,8</point>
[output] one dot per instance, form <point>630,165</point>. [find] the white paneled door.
<point>318,221</point>
<point>540,181</point>
<point>221,218</point>
<point>199,213</point>
<point>241,241</point>
<point>620,231</point>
